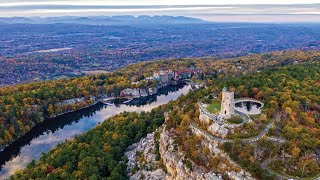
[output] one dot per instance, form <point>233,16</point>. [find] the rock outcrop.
<point>218,130</point>
<point>142,162</point>
<point>175,163</point>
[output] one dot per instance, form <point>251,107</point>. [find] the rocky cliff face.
<point>142,162</point>
<point>173,164</point>
<point>176,164</point>
<point>218,130</point>
<point>178,167</point>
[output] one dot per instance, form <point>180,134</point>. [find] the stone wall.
<point>227,104</point>
<point>204,118</point>
<point>215,128</point>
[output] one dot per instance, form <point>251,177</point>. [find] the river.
<point>48,134</point>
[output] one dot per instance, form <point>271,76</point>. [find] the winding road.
<point>249,140</point>
<point>253,139</point>
<point>264,166</point>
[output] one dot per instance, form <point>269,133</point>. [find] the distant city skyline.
<point>217,11</point>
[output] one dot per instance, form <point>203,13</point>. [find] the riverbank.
<point>2,148</point>
<point>48,134</point>
<point>96,101</point>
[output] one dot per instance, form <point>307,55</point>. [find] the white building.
<point>164,76</point>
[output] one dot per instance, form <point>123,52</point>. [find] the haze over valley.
<point>160,89</point>
<point>73,46</point>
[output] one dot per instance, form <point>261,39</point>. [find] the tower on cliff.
<point>227,104</point>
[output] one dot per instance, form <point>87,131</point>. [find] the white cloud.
<point>152,2</point>
<point>205,9</point>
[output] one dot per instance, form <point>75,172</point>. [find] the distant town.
<point>35,52</point>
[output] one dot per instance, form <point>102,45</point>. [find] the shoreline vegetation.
<point>181,111</point>
<point>108,140</point>
<point>93,104</point>
<point>56,116</point>
<point>244,81</point>
<point>42,100</point>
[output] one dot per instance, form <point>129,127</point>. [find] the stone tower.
<point>227,104</point>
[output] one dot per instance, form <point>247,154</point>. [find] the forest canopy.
<point>99,153</point>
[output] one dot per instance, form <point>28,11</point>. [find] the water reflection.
<point>49,133</point>
<point>248,107</point>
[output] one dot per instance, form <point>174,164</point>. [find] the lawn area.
<point>214,107</point>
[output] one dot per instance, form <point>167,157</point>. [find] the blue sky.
<point>211,10</point>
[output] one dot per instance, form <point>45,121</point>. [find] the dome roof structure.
<point>224,89</point>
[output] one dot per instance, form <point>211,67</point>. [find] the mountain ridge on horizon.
<point>103,20</point>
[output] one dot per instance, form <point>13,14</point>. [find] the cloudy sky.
<point>211,10</point>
